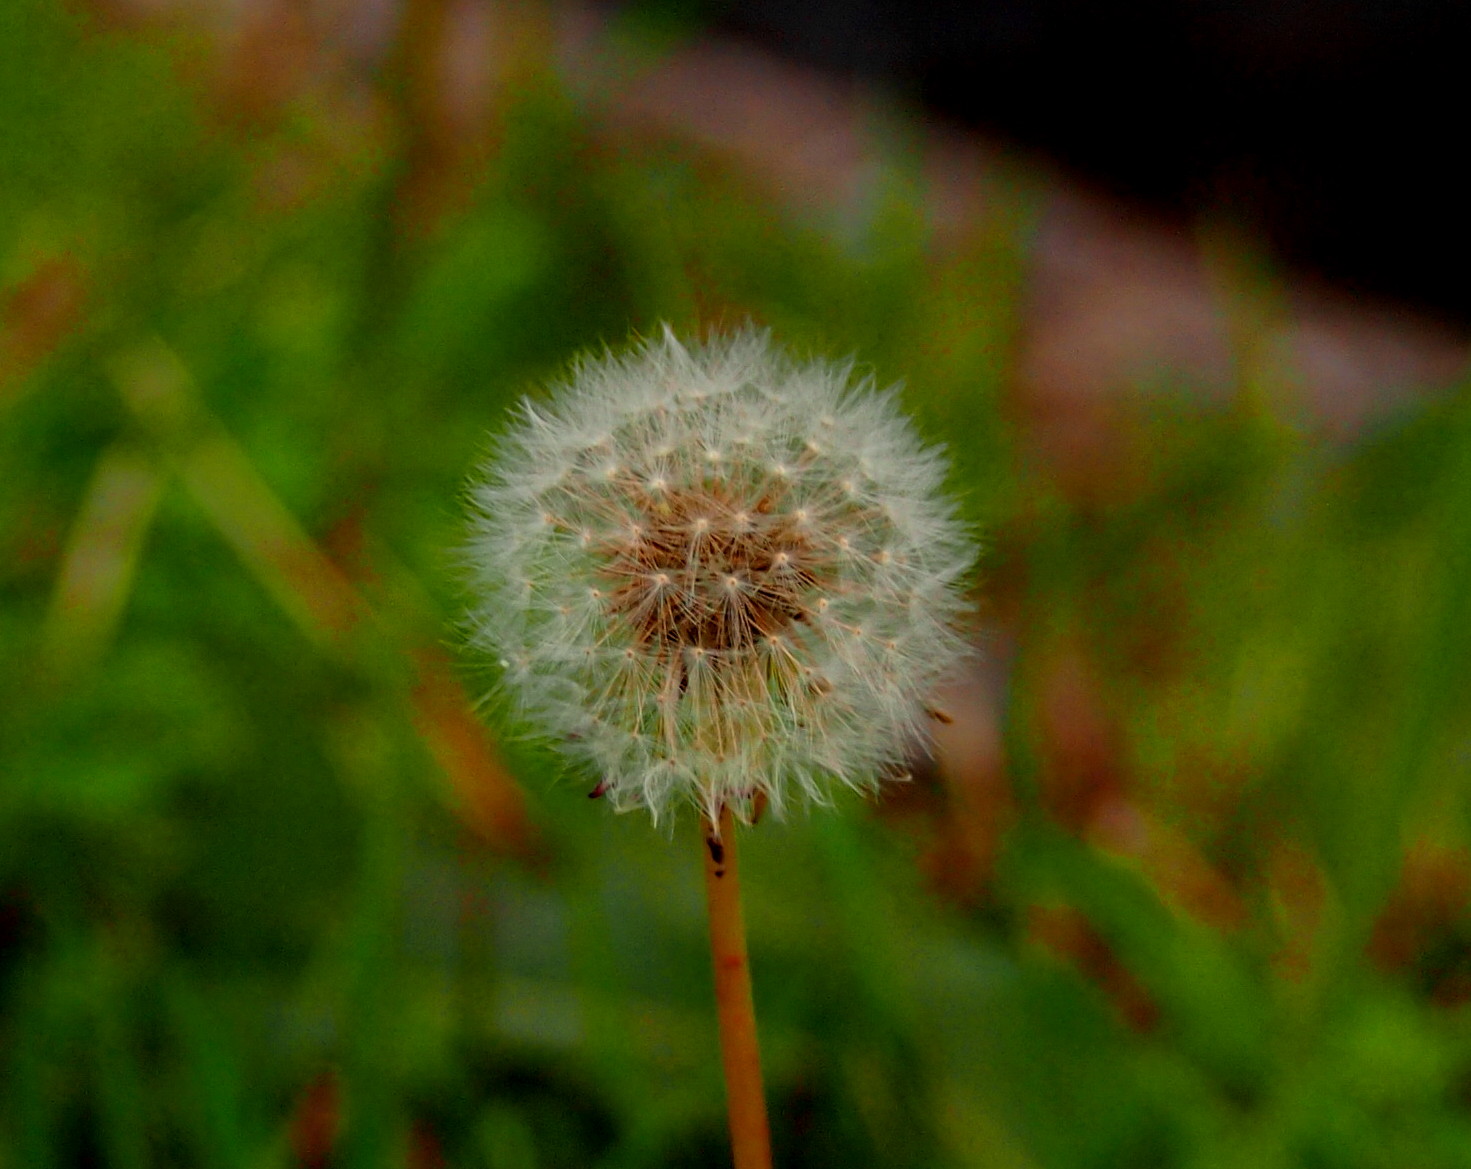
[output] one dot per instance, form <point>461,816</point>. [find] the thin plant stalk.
<point>750,1135</point>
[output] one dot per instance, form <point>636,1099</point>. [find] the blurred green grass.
<point>267,896</point>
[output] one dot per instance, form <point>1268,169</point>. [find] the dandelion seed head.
<point>702,602</point>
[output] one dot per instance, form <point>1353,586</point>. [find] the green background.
<point>268,894</point>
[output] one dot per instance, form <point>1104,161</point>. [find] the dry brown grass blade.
<point>36,314</point>
<point>101,558</point>
<point>489,800</point>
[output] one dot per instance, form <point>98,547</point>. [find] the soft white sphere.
<point>712,573</point>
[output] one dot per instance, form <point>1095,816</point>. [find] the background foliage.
<point>269,896</point>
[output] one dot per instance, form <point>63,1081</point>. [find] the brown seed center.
<point>703,572</point>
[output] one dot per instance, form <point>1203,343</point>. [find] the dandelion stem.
<point>750,1137</point>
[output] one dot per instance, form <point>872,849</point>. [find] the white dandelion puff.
<point>711,573</point>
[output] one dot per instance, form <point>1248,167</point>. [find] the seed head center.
<point>710,573</point>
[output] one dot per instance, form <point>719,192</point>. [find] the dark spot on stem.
<point>717,851</point>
